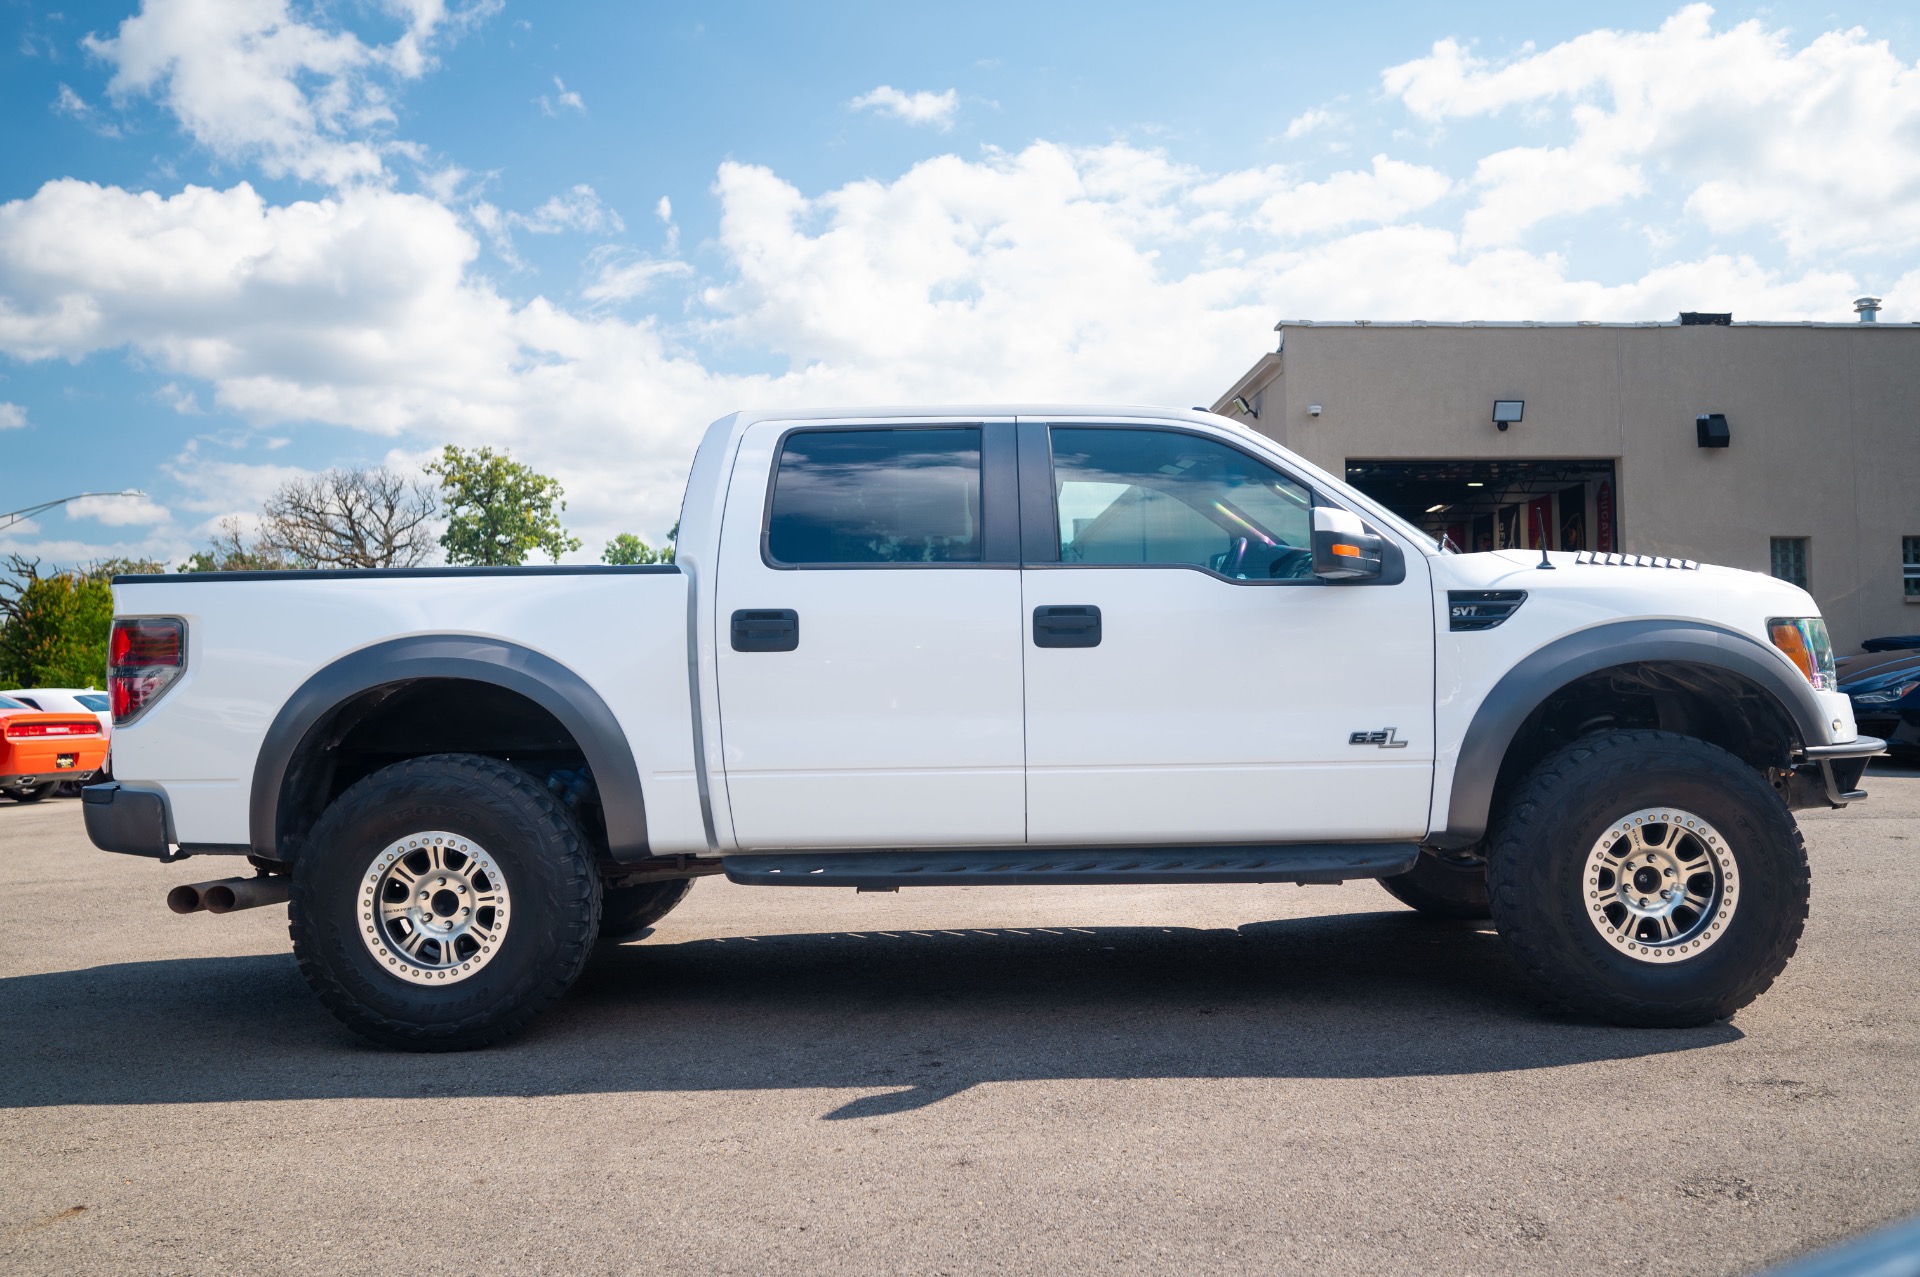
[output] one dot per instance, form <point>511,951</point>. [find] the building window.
<point>1910,567</point>
<point>1790,560</point>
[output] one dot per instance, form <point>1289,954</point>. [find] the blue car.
<point>1885,691</point>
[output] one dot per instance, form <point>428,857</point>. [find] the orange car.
<point>39,750</point>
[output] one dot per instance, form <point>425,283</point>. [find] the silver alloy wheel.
<point>1660,884</point>
<point>433,907</point>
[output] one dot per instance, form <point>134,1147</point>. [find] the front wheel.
<point>442,903</point>
<point>1648,879</point>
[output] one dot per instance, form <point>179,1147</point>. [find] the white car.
<point>1005,645</point>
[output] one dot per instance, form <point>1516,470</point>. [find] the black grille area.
<point>1481,609</point>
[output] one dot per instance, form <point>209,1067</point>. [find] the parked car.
<point>1010,646</point>
<point>41,749</point>
<point>1885,691</point>
<point>76,700</point>
<point>68,700</point>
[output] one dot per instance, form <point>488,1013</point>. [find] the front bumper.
<point>131,821</point>
<point>1830,775</point>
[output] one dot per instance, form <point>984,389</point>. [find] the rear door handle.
<point>1071,626</point>
<point>774,629</point>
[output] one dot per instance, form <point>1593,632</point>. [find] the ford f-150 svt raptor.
<point>1010,646</point>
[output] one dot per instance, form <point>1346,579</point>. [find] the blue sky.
<point>244,240</point>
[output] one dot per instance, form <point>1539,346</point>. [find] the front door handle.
<point>1071,626</point>
<point>773,629</point>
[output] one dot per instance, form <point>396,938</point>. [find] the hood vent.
<point>1634,561</point>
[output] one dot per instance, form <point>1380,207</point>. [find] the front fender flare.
<point>1546,671</point>
<point>540,679</point>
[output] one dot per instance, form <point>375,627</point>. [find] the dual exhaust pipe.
<point>228,894</point>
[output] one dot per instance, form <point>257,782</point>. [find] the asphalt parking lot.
<point>1144,1080</point>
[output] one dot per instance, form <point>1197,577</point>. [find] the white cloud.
<point>1386,192</point>
<point>12,416</point>
<point>621,277</point>
<point>1814,145</point>
<point>1307,121</point>
<point>664,210</point>
<point>252,82</point>
<point>924,107</point>
<point>72,105</point>
<point>564,99</point>
<point>579,209</point>
<point>119,512</point>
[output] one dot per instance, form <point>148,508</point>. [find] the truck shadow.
<point>915,1016</point>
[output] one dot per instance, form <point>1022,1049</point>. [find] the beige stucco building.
<point>1815,476</point>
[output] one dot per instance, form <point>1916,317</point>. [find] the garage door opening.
<point>1498,505</point>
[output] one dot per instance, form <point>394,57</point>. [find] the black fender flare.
<point>540,679</point>
<point>1524,687</point>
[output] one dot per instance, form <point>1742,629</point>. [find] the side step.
<point>1052,866</point>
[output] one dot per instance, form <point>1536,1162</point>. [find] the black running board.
<point>1052,866</point>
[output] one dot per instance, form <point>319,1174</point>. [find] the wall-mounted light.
<point>1508,411</point>
<point>1711,430</point>
<point>1240,402</point>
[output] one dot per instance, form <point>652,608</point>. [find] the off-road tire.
<point>627,912</point>
<point>555,893</point>
<point>1537,856</point>
<point>33,793</point>
<point>1443,887</point>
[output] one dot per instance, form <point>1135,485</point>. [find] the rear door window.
<point>854,498</point>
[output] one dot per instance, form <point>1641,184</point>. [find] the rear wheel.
<point>442,903</point>
<point>1445,886</point>
<point>1648,879</point>
<point>627,912</point>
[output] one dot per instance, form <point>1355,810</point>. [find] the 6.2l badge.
<point>1384,738</point>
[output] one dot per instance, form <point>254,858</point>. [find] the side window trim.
<point>999,497</point>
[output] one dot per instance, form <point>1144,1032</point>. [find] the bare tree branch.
<point>351,519</point>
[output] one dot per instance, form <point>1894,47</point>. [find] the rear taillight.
<point>144,657</point>
<point>41,730</point>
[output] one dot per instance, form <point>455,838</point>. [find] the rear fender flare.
<point>540,679</point>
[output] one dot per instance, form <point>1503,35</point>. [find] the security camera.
<point>1313,410</point>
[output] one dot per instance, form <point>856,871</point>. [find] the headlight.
<point>1804,640</point>
<point>1885,696</point>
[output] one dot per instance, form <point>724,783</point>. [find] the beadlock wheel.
<point>434,907</point>
<point>1661,884</point>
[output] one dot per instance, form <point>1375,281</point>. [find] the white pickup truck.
<point>1011,646</point>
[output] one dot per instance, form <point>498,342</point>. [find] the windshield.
<point>7,702</point>
<point>95,701</point>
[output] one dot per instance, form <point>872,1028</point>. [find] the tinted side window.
<point>1153,496</point>
<point>877,496</point>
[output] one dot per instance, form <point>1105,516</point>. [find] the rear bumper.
<point>27,780</point>
<point>1830,775</point>
<point>131,821</point>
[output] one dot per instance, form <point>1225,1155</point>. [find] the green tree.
<point>498,510</point>
<point>56,631</point>
<point>627,549</point>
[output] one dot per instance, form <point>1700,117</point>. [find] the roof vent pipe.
<point>1868,308</point>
